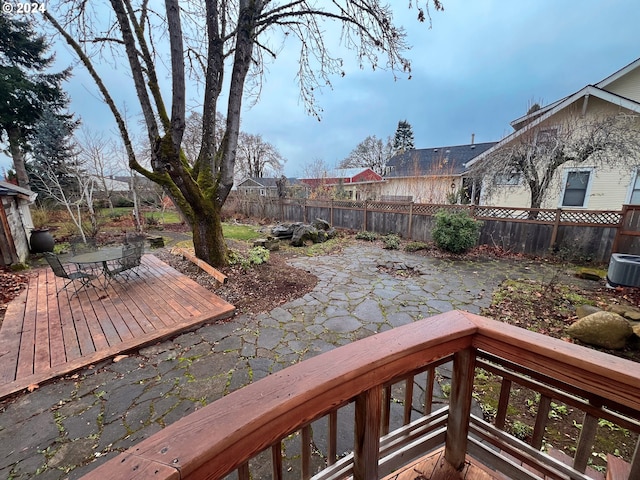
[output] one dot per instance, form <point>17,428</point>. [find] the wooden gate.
<point>628,235</point>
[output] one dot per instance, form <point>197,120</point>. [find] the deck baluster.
<point>386,411</point>
<point>542,417</point>
<point>333,437</point>
<point>428,393</point>
<point>503,403</point>
<point>306,452</point>
<point>276,461</point>
<point>408,400</point>
<point>585,442</point>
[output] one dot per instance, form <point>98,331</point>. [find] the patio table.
<point>100,258</point>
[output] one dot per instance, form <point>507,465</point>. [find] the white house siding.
<point>609,187</point>
<point>432,190</point>
<point>627,86</point>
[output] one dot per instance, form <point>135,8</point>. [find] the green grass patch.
<point>244,233</point>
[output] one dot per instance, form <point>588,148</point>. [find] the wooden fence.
<point>578,234</point>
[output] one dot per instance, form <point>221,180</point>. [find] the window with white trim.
<point>634,195</point>
<point>576,188</point>
<point>508,178</point>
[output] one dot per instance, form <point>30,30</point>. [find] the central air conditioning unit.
<point>624,270</point>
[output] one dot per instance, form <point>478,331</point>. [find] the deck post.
<point>367,434</point>
<point>459,408</point>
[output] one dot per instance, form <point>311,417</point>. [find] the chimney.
<point>473,137</point>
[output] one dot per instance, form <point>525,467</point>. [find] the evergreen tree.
<point>24,87</point>
<point>403,139</point>
<point>54,154</point>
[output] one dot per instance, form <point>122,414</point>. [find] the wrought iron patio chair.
<point>127,265</point>
<point>59,270</point>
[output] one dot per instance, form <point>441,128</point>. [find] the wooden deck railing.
<point>379,390</point>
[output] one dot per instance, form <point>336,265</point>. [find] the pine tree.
<point>403,139</point>
<point>25,88</point>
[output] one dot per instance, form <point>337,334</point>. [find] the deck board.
<point>434,467</point>
<point>44,335</point>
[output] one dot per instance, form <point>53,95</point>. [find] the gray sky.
<point>479,67</point>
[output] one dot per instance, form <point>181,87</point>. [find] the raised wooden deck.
<point>44,336</point>
<point>434,467</point>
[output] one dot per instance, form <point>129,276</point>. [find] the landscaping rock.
<point>270,243</point>
<point>285,230</point>
<point>602,329</point>
<point>626,311</point>
<point>584,310</point>
<point>594,274</point>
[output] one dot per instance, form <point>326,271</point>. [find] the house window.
<point>576,187</point>
<point>508,178</point>
<point>634,197</point>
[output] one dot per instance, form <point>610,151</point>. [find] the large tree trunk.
<point>18,157</point>
<point>208,241</point>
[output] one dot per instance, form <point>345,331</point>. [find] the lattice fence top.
<point>548,216</point>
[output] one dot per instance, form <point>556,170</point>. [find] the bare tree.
<point>536,155</point>
<point>96,153</point>
<point>257,158</point>
<point>205,38</point>
<point>371,153</point>
<point>76,199</point>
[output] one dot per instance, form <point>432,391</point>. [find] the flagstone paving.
<point>66,428</point>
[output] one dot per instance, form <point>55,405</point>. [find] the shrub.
<point>455,232</point>
<point>415,246</point>
<point>258,255</point>
<point>368,236</point>
<point>255,256</point>
<point>391,241</point>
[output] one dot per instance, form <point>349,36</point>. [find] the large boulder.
<point>285,230</point>
<point>602,329</point>
<point>584,310</point>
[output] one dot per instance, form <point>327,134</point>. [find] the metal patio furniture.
<point>127,264</point>
<point>61,271</point>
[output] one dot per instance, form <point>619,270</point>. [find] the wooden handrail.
<point>225,435</point>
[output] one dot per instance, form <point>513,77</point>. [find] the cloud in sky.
<point>479,67</point>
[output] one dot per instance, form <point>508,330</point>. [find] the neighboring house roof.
<point>12,190</point>
<point>437,161</point>
<point>112,184</point>
<point>533,119</point>
<point>265,182</point>
<point>345,176</point>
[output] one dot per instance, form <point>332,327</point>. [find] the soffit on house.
<point>582,95</point>
<point>437,161</point>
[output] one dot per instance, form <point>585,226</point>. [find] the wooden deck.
<point>434,467</point>
<point>44,336</point>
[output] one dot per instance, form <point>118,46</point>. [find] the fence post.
<point>621,223</point>
<point>410,227</point>
<point>304,211</point>
<point>554,232</point>
<point>364,217</point>
<point>331,213</point>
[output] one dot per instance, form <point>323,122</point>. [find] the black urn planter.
<point>41,240</point>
